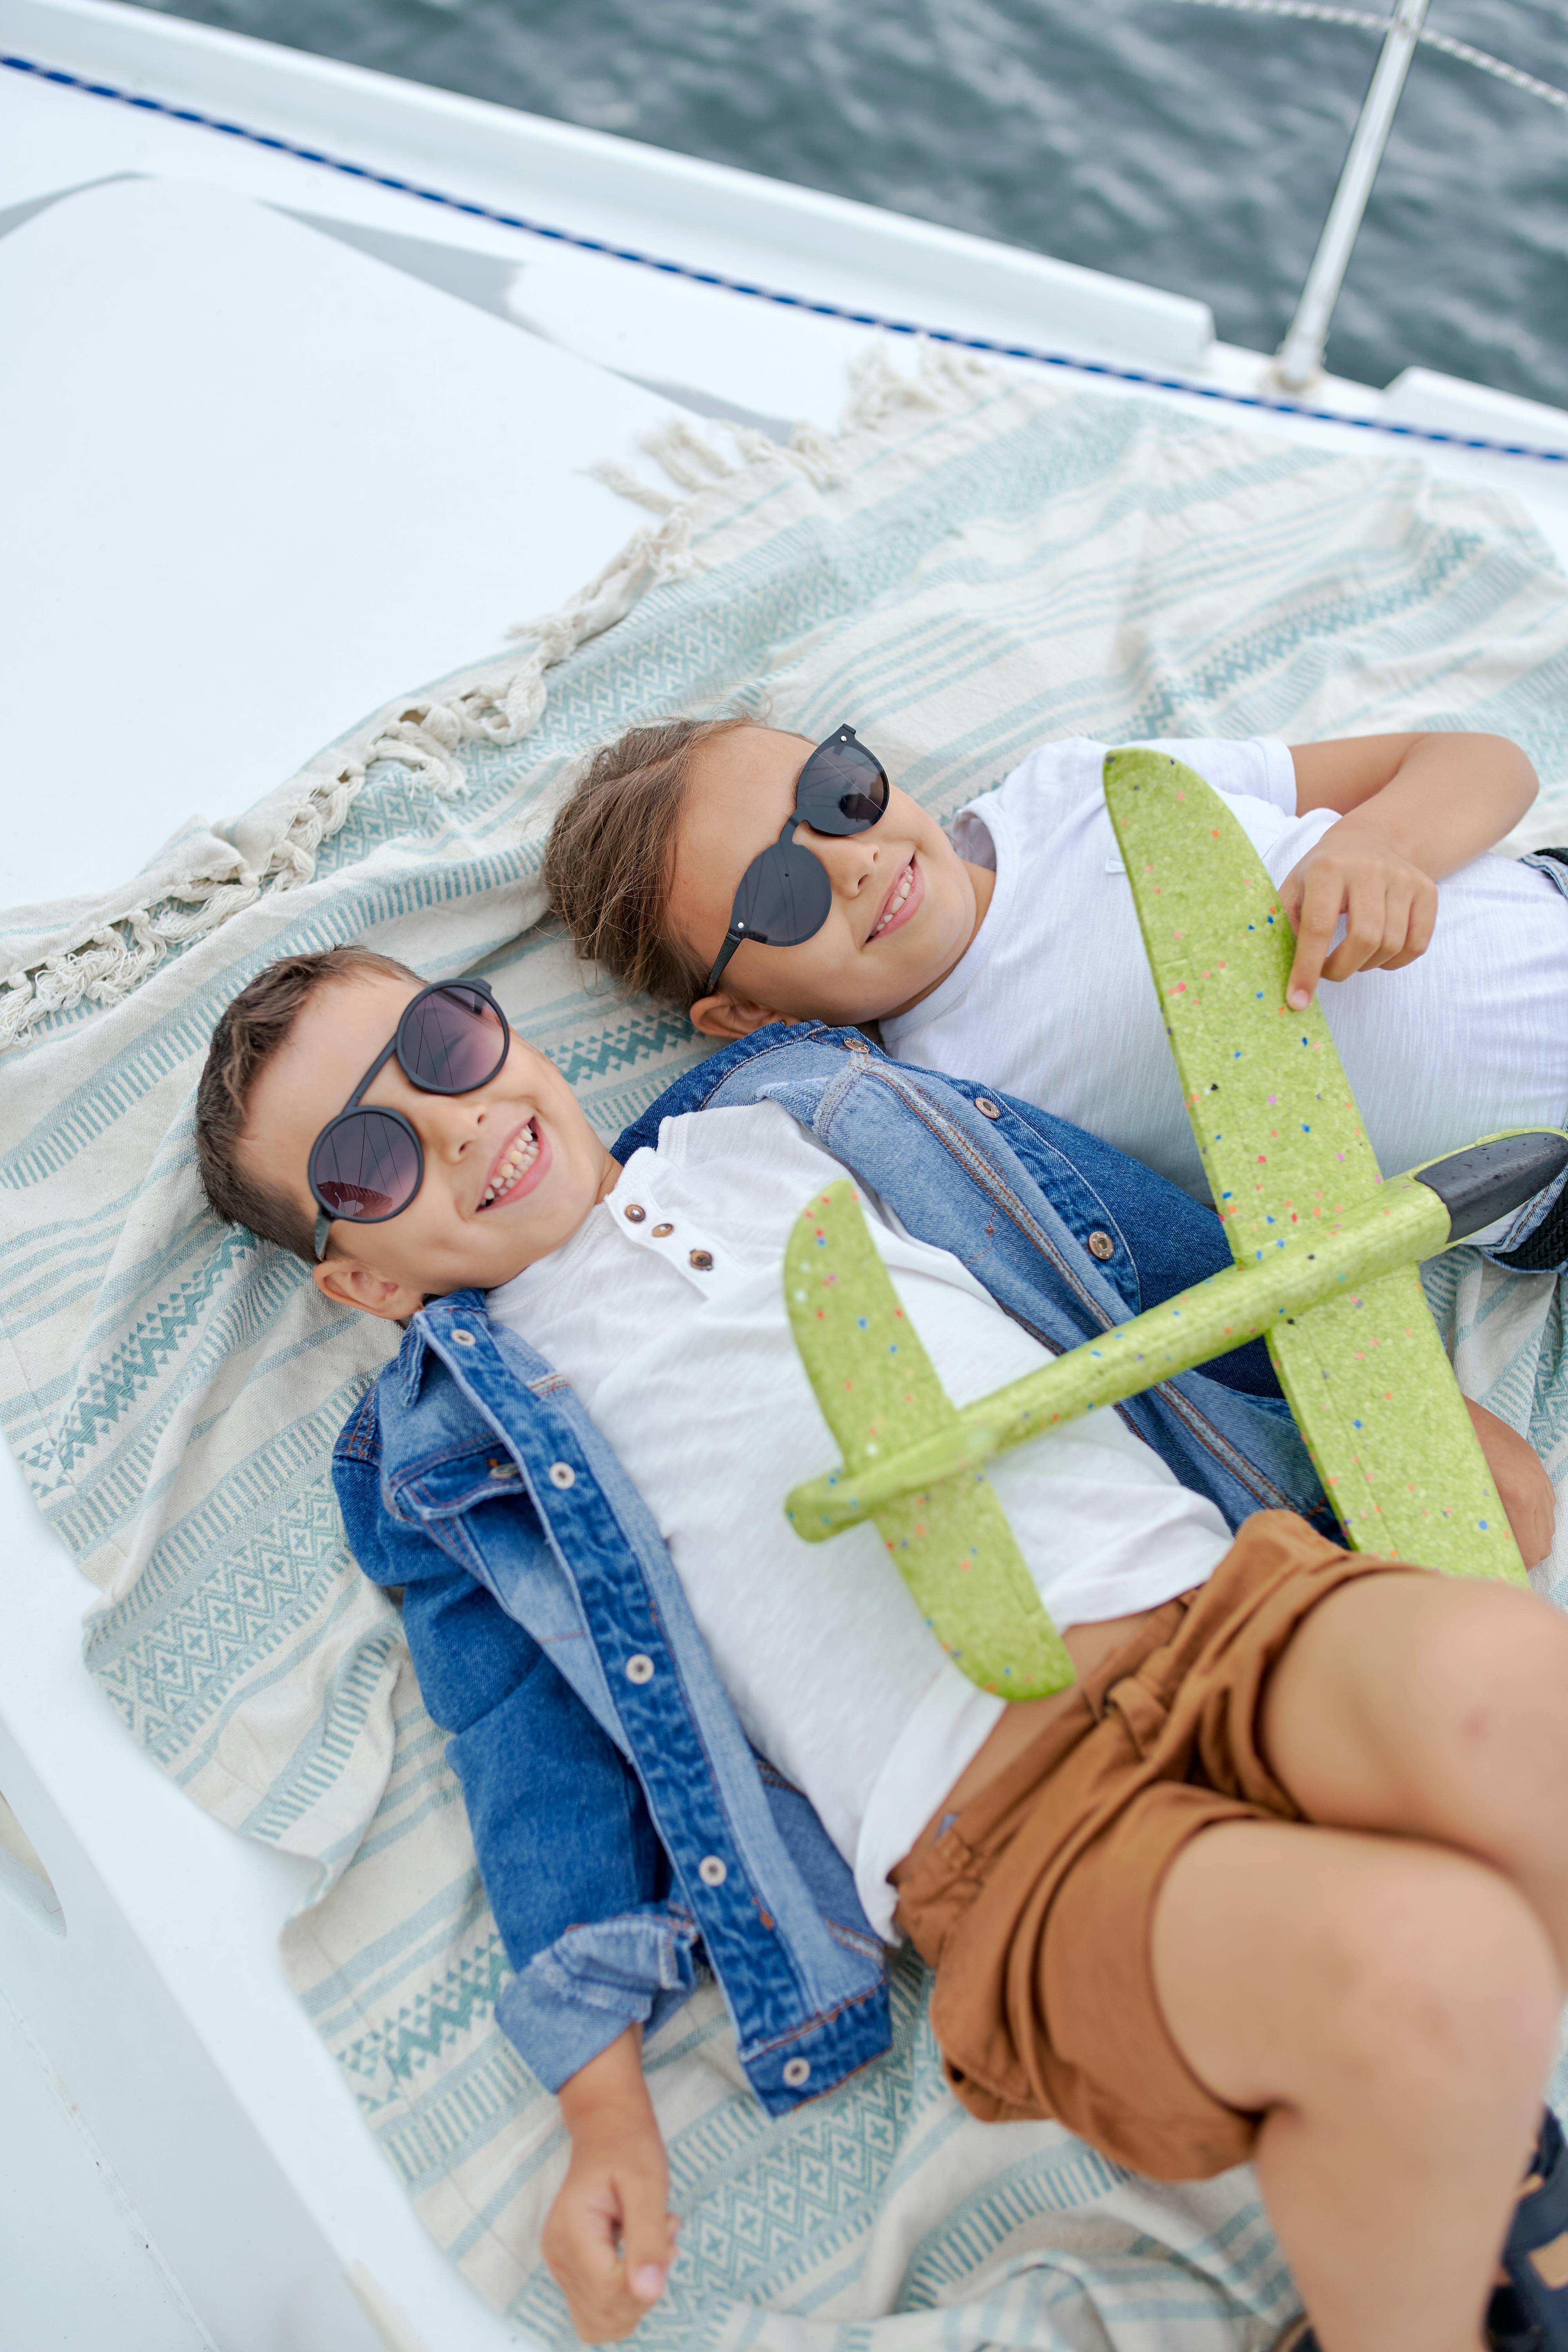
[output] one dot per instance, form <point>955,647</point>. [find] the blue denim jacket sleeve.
<point>586,1918</point>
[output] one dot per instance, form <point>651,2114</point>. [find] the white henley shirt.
<point>689,1366</point>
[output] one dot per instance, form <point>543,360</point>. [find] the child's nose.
<point>851,859</point>
<point>454,1124</point>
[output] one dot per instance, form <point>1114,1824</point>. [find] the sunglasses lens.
<point>842,788</point>
<point>452,1039</point>
<point>365,1165</point>
<point>785,895</point>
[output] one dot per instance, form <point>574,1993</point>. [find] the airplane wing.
<point>879,1393</point>
<point>1283,1148</point>
<point>1271,1109</point>
<point>1374,1397</point>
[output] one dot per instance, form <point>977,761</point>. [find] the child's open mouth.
<point>902,900</point>
<point>519,1167</point>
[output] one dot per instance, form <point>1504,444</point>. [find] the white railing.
<point>1299,359</point>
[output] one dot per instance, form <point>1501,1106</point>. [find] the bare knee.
<point>1434,1982</point>
<point>1423,1704</point>
<point>1321,1969</point>
<point>1493,1668</point>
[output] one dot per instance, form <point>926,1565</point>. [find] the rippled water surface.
<point>1191,147</point>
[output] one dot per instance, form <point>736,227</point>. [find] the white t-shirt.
<point>1054,1002</point>
<point>694,1378</point>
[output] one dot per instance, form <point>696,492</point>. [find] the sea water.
<point>1190,146</point>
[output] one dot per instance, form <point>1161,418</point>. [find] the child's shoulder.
<point>1068,762</point>
<point>1052,785</point>
<point>1066,773</point>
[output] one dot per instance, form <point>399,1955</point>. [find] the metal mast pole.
<point>1301,356</point>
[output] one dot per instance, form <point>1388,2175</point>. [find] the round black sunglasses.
<point>785,895</point>
<point>367,1163</point>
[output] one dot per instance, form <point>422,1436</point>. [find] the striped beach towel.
<point>971,566</point>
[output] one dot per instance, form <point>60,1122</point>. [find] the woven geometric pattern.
<point>976,565</point>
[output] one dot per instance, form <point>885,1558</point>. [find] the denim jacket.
<point>626,1831</point>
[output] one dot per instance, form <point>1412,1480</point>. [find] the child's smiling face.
<point>510,1170</point>
<point>905,905</point>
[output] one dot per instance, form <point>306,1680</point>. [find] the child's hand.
<point>1390,907</point>
<point>610,2238</point>
<point>1520,1476</point>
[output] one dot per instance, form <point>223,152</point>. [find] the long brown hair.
<point>608,859</point>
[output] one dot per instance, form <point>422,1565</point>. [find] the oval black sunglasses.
<point>785,895</point>
<point>367,1163</point>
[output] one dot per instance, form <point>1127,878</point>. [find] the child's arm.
<point>610,2238</point>
<point>1520,1476</point>
<point>1412,808</point>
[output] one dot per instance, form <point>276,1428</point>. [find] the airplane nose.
<point>1487,1179</point>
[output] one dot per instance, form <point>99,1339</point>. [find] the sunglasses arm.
<point>733,938</point>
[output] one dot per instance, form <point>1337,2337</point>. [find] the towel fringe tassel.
<point>277,844</point>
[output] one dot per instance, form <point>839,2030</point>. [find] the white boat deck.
<point>274,443</point>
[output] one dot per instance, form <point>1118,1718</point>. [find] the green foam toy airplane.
<point>1326,1256</point>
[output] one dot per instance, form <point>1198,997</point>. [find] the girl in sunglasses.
<point>749,877</point>
<point>1280,1876</point>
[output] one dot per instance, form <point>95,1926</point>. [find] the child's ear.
<point>352,1284</point>
<point>731,1016</point>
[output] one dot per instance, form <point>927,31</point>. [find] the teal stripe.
<point>974,583</point>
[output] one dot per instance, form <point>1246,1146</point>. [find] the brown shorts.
<point>1034,1903</point>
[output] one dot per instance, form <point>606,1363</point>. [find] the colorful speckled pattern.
<point>1271,1109</point>
<point>950,1541</point>
<point>1326,1262</point>
<point>1402,1223</point>
<point>1367,1379</point>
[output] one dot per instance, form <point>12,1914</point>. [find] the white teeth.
<point>522,1154</point>
<point>900,895</point>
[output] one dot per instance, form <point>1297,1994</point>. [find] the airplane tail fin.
<point>880,1396</point>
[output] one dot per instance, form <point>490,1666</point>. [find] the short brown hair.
<point>247,1035</point>
<point>608,861</point>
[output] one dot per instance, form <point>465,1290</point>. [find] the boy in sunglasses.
<point>1273,1879</point>
<point>734,870</point>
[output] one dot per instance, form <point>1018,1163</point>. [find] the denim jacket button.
<point>703,1260</point>
<point>463,1339</point>
<point>796,2070</point>
<point>562,1474</point>
<point>986,1107</point>
<point>639,1668</point>
<point>634,1212</point>
<point>661,1232</point>
<point>1100,1244</point>
<point>711,1871</point>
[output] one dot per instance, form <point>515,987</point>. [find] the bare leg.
<point>1390,2009</point>
<point>1437,1709</point>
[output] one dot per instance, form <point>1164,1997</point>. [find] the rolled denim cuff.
<point>575,1997</point>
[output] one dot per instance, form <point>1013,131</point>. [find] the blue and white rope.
<point>1444,43</point>
<point>987,343</point>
